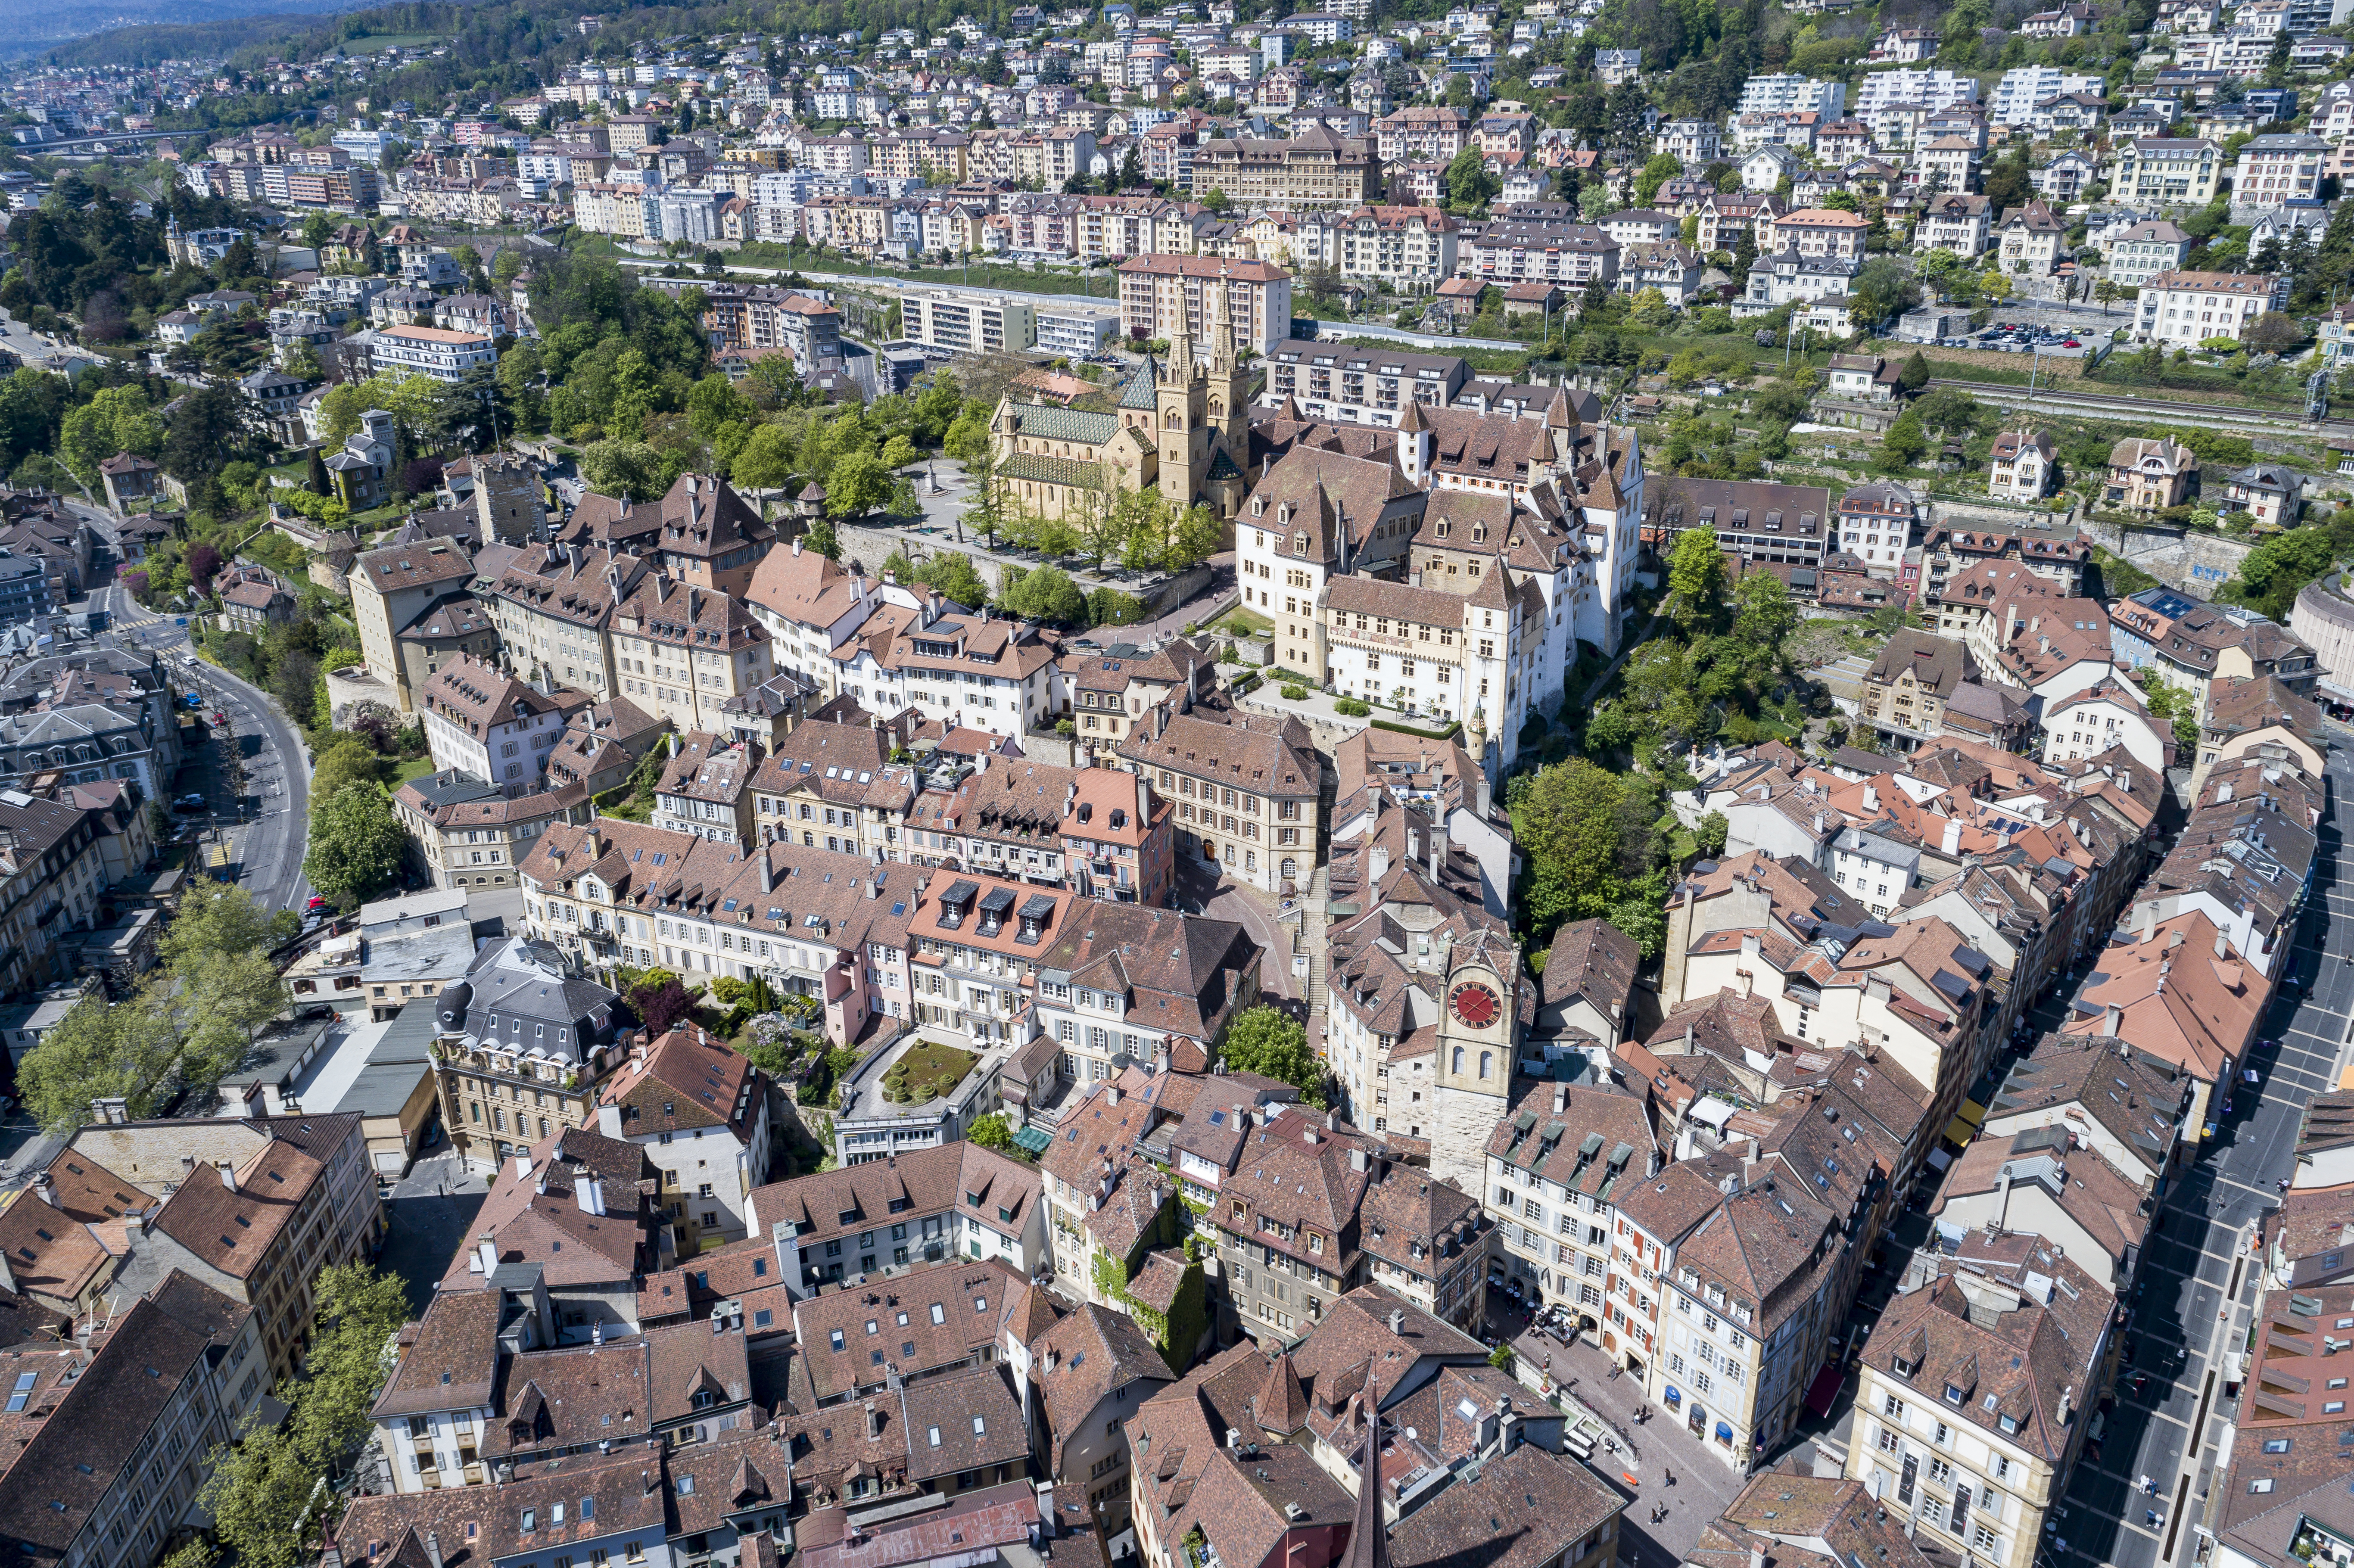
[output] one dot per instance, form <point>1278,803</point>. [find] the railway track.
<point>2154,408</point>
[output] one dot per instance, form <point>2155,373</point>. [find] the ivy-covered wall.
<point>1180,1331</point>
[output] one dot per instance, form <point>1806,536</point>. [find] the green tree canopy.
<point>1696,577</point>
<point>356,845</point>
<point>1267,1041</point>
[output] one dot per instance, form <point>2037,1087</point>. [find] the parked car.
<point>189,803</point>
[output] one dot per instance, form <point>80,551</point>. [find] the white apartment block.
<point>2182,310</point>
<point>437,353</point>
<point>1789,93</point>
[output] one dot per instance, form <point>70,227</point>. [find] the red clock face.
<point>1476,1005</point>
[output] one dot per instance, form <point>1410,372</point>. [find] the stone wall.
<point>2195,563</point>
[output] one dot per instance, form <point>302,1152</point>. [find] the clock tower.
<point>1479,1012</point>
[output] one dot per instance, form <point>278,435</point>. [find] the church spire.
<point>1219,323</point>
<point>1368,1539</point>
<point>1181,344</point>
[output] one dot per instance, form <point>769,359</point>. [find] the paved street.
<point>2198,1282</point>
<point>268,828</point>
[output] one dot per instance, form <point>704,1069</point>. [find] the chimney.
<point>1952,842</point>
<point>2113,1018</point>
<point>1560,1099</point>
<point>228,1174</point>
<point>1111,1095</point>
<point>523,1167</point>
<point>797,544</point>
<point>433,1548</point>
<point>1357,1158</point>
<point>1397,1320</point>
<point>873,1423</point>
<point>487,1255</point>
<point>1381,863</point>
<point>768,872</point>
<point>44,1188</point>
<point>590,1194</point>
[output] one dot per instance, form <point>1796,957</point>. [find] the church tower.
<point>1479,1039</point>
<point>1184,434</point>
<point>1229,383</point>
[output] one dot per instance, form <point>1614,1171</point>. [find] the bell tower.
<point>1184,433</point>
<point>1479,1036</point>
<point>1229,383</point>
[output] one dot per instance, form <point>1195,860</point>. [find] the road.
<point>2197,1282</point>
<point>269,830</point>
<point>2156,407</point>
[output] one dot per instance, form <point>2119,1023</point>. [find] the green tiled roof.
<point>1222,466</point>
<point>1139,393</point>
<point>1051,471</point>
<point>1052,424</point>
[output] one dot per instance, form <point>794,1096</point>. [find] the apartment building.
<point>1246,790</point>
<point>252,1207</point>
<point>519,1039</point>
<point>1285,1223</point>
<point>1975,1394</point>
<point>467,833</point>
<point>2183,310</point>
<point>700,1112</point>
<point>1156,290</point>
<point>1553,1167</point>
<point>114,1443</point>
<point>1130,984</point>
<point>705,788</point>
<point>1410,248</point>
<point>2144,250</point>
<point>436,353</point>
<point>2166,171</point>
<point>957,668</point>
<point>2189,643</point>
<point>683,652</point>
<point>553,606</point>
<point>391,588</point>
<point>965,324</point>
<point>482,723</point>
<point>877,1216</point>
<point>2274,171</point>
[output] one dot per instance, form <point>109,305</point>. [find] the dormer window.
<point>1953,1393</point>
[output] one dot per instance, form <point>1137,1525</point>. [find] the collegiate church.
<point>1183,424</point>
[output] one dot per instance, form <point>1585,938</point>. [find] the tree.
<point>1710,836</point>
<point>953,573</point>
<point>315,474</point>
<point>859,485</point>
<point>2276,62</point>
<point>1763,615</point>
<point>765,461</point>
<point>1696,578</point>
<point>1905,443</point>
<point>632,470</point>
<point>1663,168</point>
<point>2273,332</point>
<point>347,758</point>
<point>661,1000</point>
<point>1267,1041</point>
<point>96,1052</point>
<point>205,428</point>
<point>991,1132</point>
<point>117,419</point>
<point>221,920</point>
<point>1651,309</point>
<point>1915,374</point>
<point>1470,186</point>
<point>2272,573</point>
<point>355,845</point>
<point>1045,593</point>
<point>1883,291</point>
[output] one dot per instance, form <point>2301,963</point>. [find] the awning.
<point>1036,1139</point>
<point>1939,1160</point>
<point>1960,1132</point>
<point>1824,1390</point>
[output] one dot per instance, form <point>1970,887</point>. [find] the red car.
<point>316,906</point>
<point>2072,342</point>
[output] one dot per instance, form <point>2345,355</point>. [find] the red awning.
<point>1824,1390</point>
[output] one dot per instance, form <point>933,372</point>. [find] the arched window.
<point>1458,1059</point>
<point>1487,1058</point>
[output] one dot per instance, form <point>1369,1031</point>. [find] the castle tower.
<point>1184,430</point>
<point>1478,1038</point>
<point>1415,447</point>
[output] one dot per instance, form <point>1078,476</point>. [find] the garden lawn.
<point>942,1066</point>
